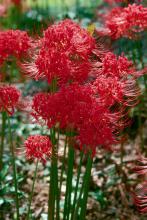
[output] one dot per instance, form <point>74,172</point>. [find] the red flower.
<point>13,43</point>
<point>95,111</point>
<point>64,53</point>
<point>68,106</point>
<point>9,97</point>
<point>39,147</point>
<point>125,22</point>
<point>76,108</point>
<point>115,81</point>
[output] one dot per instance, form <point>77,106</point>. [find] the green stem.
<point>53,188</point>
<point>83,191</point>
<point>140,58</point>
<point>77,184</point>
<point>14,167</point>
<point>2,138</point>
<point>63,164</point>
<point>58,192</point>
<point>70,164</point>
<point>86,188</point>
<point>53,179</point>
<point>32,191</point>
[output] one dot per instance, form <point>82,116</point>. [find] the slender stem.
<point>83,191</point>
<point>63,164</point>
<point>77,184</point>
<point>58,192</point>
<point>70,164</point>
<point>140,58</point>
<point>2,138</point>
<point>86,188</point>
<point>32,191</point>
<point>53,179</point>
<point>14,167</point>
<point>53,188</point>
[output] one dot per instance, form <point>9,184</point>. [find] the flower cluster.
<point>9,97</point>
<point>140,196</point>
<point>115,81</point>
<point>38,146</point>
<point>13,43</point>
<point>92,109</point>
<point>75,108</point>
<point>125,22</point>
<point>63,54</point>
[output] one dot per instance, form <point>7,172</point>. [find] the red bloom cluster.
<point>64,54</point>
<point>75,108</point>
<point>92,106</point>
<point>13,43</point>
<point>9,97</point>
<point>140,196</point>
<point>115,82</point>
<point>125,22</point>
<point>39,147</point>
<point>86,108</point>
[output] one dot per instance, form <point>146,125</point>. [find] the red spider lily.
<point>140,197</point>
<point>75,107</point>
<point>115,81</point>
<point>9,97</point>
<point>13,43</point>
<point>126,22</point>
<point>68,106</point>
<point>94,109</point>
<point>38,146</point>
<point>63,53</point>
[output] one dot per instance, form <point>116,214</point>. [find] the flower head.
<point>76,108</point>
<point>9,97</point>
<point>63,54</point>
<point>38,146</point>
<point>13,43</point>
<point>115,81</point>
<point>126,22</point>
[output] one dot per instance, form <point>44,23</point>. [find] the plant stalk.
<point>2,138</point>
<point>14,168</point>
<point>32,191</point>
